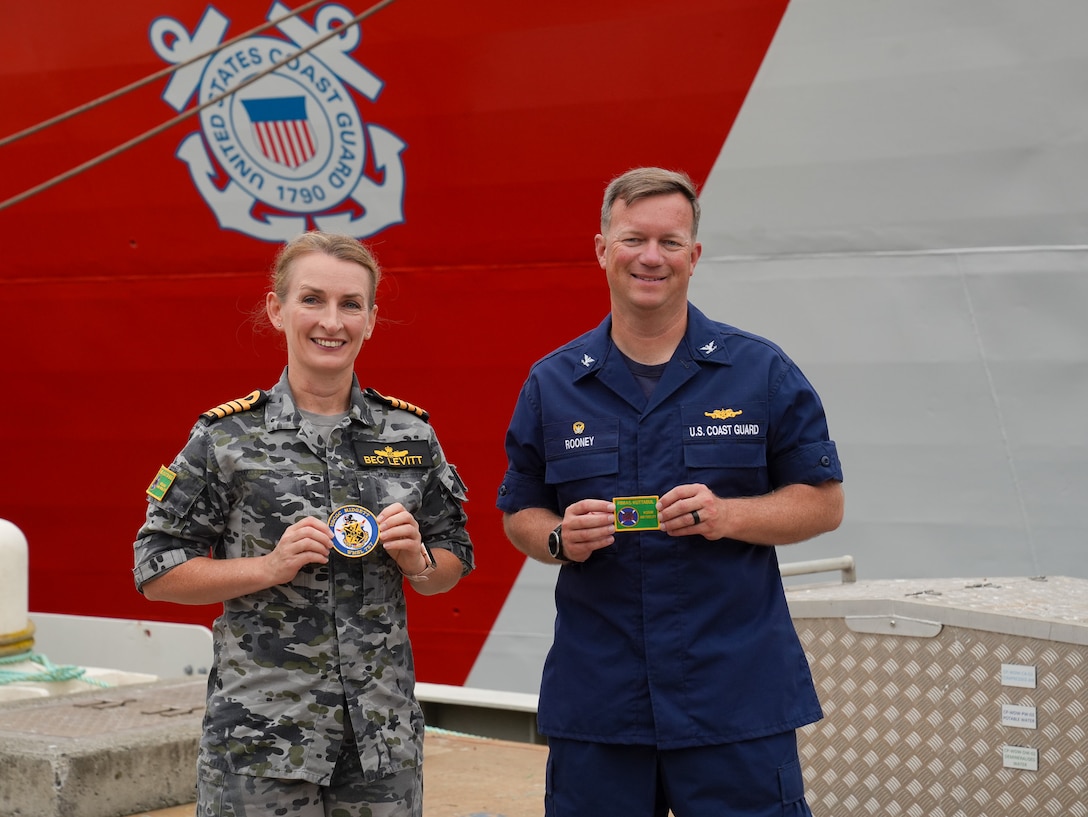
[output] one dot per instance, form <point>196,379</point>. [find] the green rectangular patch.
<point>161,484</point>
<point>636,513</point>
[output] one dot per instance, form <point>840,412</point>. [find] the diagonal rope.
<point>120,92</point>
<point>999,416</point>
<point>143,137</point>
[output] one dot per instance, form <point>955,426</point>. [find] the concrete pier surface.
<point>465,776</point>
<point>131,750</point>
<point>940,696</point>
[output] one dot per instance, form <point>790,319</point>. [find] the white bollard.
<point>16,630</point>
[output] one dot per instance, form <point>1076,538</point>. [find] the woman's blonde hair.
<point>338,246</point>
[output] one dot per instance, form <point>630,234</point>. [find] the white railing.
<point>843,564</point>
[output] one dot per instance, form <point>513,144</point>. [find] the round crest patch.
<point>354,530</point>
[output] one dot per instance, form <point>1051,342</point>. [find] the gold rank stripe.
<point>396,402</point>
<point>250,401</point>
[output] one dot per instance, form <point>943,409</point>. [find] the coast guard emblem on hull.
<point>290,144</point>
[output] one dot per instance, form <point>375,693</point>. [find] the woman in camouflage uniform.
<point>311,705</point>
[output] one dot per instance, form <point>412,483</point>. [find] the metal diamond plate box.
<point>947,698</point>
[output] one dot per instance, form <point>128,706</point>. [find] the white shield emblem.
<point>290,139</point>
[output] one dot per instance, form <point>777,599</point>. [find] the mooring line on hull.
<point>995,400</point>
<point>143,137</point>
<point>140,83</point>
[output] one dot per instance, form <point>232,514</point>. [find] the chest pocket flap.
<point>725,437</point>
<point>579,449</point>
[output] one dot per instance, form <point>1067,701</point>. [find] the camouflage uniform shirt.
<point>289,659</point>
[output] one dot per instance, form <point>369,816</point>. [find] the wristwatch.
<point>425,573</point>
<point>421,576</point>
<point>555,544</point>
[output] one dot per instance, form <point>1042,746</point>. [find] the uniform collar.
<point>281,411</point>
<point>705,339</point>
<point>592,352</point>
<point>703,342</point>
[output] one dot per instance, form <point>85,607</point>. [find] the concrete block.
<point>101,753</point>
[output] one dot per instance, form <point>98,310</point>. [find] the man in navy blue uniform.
<point>659,458</point>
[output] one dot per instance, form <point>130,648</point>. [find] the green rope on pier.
<point>50,671</point>
<point>438,730</point>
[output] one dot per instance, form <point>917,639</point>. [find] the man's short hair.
<point>641,182</point>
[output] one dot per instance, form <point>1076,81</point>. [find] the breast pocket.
<point>583,457</point>
<point>267,502</point>
<point>381,487</point>
<point>727,449</point>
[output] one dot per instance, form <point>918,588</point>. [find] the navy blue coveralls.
<point>675,642</point>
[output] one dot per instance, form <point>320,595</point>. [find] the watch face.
<point>555,546</point>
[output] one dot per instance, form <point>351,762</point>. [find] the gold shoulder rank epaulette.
<point>396,402</point>
<point>251,401</point>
